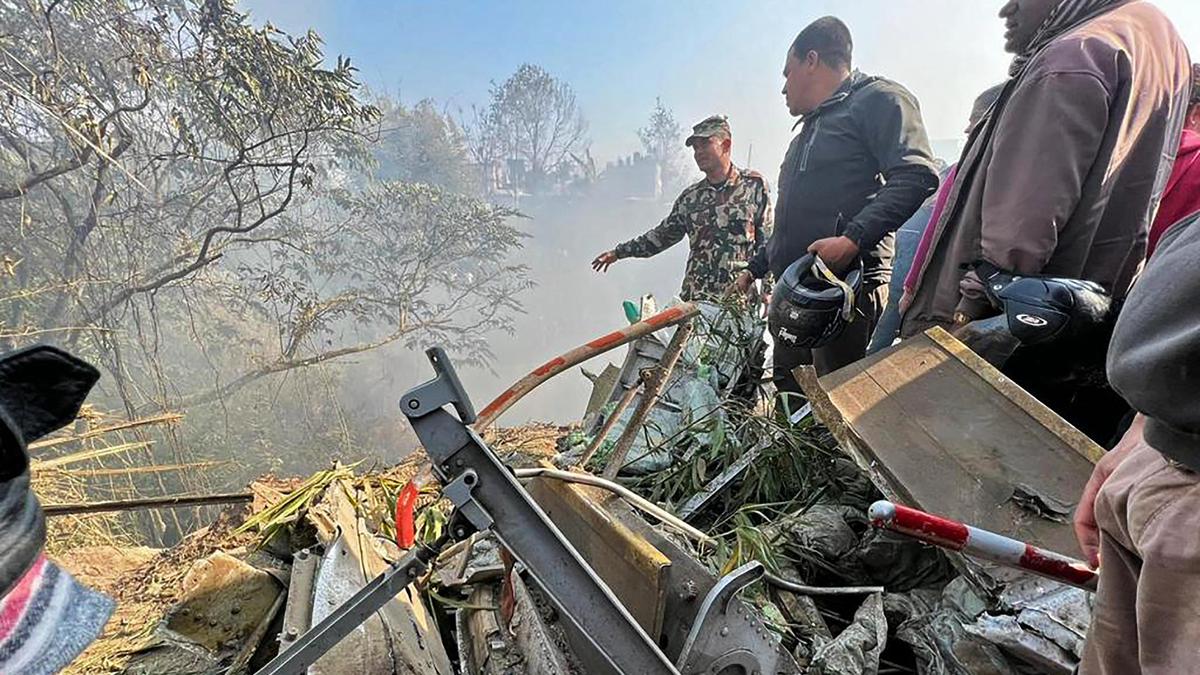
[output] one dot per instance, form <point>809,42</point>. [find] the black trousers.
<point>849,347</point>
<point>1069,378</point>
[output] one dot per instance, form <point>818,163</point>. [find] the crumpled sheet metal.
<point>401,637</point>
<point>1033,625</point>
<point>218,623</point>
<point>1007,632</point>
<point>839,537</point>
<point>957,630</point>
<point>224,600</point>
<point>1046,626</point>
<point>931,624</point>
<point>856,650</point>
<point>367,649</point>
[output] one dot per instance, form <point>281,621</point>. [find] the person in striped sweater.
<point>46,617</point>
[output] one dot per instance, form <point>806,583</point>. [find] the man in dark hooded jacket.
<point>1136,520</point>
<point>859,168</point>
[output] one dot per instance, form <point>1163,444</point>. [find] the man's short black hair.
<point>829,38</point>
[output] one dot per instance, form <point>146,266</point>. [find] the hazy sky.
<point>700,57</point>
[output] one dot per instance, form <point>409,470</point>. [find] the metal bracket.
<point>459,492</point>
<point>297,613</point>
<point>444,389</point>
<point>719,644</point>
<point>487,496</point>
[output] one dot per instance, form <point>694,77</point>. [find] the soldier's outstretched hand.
<point>602,261</point>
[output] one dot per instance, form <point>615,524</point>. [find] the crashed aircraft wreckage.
<point>725,636</point>
<point>544,569</point>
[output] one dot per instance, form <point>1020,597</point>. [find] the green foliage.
<point>287,511</point>
<point>794,468</point>
<point>430,523</point>
<point>742,543</point>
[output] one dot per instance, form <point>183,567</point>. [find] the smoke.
<point>573,304</point>
<point>570,305</point>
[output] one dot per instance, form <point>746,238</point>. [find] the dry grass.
<point>537,440</point>
<point>104,458</point>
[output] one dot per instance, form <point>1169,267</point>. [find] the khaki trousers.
<point>1147,613</point>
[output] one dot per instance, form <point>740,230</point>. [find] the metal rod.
<point>980,543</point>
<point>628,495</point>
<point>650,393</point>
<point>610,422</point>
<point>716,486</point>
<point>569,359</point>
<point>149,503</point>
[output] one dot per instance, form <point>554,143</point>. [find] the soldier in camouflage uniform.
<point>726,217</point>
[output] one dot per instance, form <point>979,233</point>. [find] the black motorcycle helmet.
<point>810,305</point>
<point>1045,309</point>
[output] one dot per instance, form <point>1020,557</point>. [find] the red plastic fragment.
<point>406,526</point>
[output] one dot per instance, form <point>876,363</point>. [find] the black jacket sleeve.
<point>889,122</point>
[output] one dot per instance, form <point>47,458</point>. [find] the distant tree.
<point>531,116</point>
<point>662,138</point>
<point>421,145</point>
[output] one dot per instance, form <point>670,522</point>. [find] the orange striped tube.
<point>604,343</point>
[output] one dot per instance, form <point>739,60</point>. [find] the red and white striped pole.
<point>956,536</point>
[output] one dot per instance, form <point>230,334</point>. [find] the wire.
<point>788,585</point>
<point>666,517</point>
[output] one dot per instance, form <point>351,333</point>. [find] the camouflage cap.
<point>716,125</point>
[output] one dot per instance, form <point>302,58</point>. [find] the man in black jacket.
<point>860,166</point>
